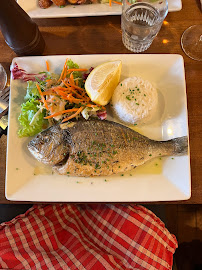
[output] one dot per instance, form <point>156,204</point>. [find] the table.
<point>102,35</point>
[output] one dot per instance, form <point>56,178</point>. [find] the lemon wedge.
<point>102,81</point>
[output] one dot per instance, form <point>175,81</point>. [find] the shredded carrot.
<point>61,93</point>
<point>42,97</point>
<point>76,69</point>
<point>51,109</point>
<point>110,3</point>
<point>65,74</point>
<point>71,77</point>
<point>49,80</point>
<point>77,87</point>
<point>116,2</point>
<point>81,90</point>
<point>73,115</point>
<point>54,89</point>
<point>47,65</point>
<point>72,90</point>
<point>60,88</point>
<point>92,105</point>
<point>61,112</point>
<point>76,100</point>
<point>77,94</point>
<point>50,101</point>
<point>48,92</point>
<point>63,70</point>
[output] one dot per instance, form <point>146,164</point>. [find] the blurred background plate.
<point>32,8</point>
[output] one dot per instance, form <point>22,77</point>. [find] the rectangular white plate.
<point>32,8</point>
<point>28,180</point>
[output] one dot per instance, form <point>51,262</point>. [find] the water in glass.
<point>140,24</point>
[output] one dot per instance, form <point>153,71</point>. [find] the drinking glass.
<point>191,42</point>
<point>3,77</point>
<point>141,21</point>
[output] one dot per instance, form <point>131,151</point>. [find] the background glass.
<point>3,77</point>
<point>191,42</point>
<point>141,22</point>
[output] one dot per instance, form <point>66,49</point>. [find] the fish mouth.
<point>34,151</point>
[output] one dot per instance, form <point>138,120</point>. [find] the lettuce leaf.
<point>32,91</point>
<point>71,64</point>
<point>31,119</point>
<point>76,74</point>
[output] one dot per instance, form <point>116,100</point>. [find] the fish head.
<point>51,146</point>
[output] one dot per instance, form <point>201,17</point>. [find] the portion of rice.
<point>134,100</point>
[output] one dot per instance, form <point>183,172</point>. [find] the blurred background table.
<point>102,35</point>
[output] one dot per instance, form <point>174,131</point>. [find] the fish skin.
<point>95,148</point>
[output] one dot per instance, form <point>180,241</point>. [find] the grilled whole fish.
<point>95,147</point>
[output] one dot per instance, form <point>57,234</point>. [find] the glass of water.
<point>141,21</point>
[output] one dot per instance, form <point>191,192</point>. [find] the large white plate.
<point>167,181</point>
<point>32,8</point>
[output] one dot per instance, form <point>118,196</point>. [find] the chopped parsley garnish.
<point>97,166</point>
<point>128,97</point>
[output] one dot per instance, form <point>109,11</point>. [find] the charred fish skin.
<point>98,148</point>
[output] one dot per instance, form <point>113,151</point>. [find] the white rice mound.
<point>134,100</point>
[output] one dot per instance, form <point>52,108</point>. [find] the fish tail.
<point>180,146</point>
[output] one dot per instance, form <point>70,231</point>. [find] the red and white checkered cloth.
<point>97,237</point>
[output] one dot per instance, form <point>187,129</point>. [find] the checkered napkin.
<point>97,237</point>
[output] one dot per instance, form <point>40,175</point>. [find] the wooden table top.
<point>102,35</point>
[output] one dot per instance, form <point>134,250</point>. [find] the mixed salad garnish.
<point>52,98</point>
